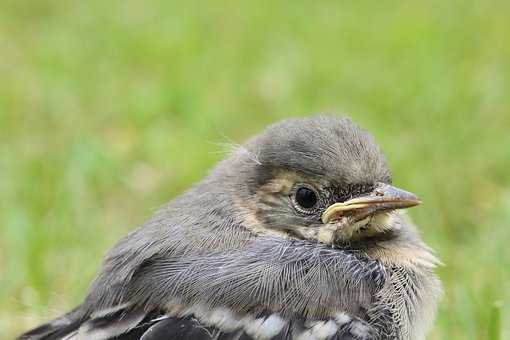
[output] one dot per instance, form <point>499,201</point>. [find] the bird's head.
<point>321,178</point>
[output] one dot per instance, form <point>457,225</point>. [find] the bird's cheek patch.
<point>345,230</point>
<point>327,233</point>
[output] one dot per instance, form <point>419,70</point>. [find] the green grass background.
<point>108,109</point>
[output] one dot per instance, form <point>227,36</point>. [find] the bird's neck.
<point>399,248</point>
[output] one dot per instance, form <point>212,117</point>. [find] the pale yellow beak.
<point>384,197</point>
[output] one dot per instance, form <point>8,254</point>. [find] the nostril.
<point>379,193</point>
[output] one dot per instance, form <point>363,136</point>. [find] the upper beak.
<point>384,197</point>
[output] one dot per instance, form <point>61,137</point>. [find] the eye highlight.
<point>305,197</point>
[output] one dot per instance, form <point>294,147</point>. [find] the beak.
<point>384,197</point>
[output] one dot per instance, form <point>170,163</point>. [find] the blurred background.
<point>108,109</point>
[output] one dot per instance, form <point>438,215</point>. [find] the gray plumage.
<point>235,256</point>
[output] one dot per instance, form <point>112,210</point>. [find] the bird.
<point>296,234</point>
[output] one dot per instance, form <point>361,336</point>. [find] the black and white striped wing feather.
<point>215,325</point>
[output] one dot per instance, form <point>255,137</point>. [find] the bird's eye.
<point>305,197</point>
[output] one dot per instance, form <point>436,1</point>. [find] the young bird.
<point>296,235</point>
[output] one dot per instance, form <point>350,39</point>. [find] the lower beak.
<point>384,197</point>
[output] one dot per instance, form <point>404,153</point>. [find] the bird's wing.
<point>296,280</point>
<point>123,323</point>
<point>191,328</point>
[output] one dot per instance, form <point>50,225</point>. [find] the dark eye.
<point>306,198</point>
